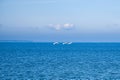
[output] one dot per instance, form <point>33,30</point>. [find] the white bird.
<point>55,43</point>
<point>70,43</point>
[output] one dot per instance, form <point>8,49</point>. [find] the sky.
<point>60,20</point>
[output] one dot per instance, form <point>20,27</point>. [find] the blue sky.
<point>60,20</point>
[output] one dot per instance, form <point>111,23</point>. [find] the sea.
<point>45,61</point>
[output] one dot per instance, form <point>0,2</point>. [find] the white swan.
<point>55,43</point>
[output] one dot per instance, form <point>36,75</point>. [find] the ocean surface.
<point>45,61</point>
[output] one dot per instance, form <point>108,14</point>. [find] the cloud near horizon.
<point>66,26</point>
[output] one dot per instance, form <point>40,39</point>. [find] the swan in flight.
<point>55,43</point>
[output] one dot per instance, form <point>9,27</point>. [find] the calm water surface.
<point>45,61</point>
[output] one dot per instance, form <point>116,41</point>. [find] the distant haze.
<point>60,20</point>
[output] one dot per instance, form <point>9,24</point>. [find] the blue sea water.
<point>45,61</point>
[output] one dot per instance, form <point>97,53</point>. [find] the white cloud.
<point>66,26</point>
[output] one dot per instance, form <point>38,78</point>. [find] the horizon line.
<point>59,41</point>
